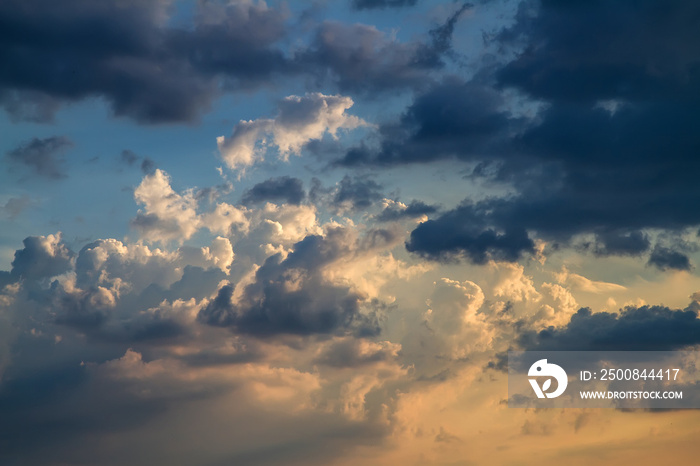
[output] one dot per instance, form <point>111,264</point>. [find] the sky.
<point>308,232</point>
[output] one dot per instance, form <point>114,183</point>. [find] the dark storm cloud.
<point>351,193</point>
<point>465,231</point>
<point>42,155</point>
<point>371,4</point>
<point>126,53</point>
<point>647,328</point>
<point>284,188</point>
<point>412,210</point>
<point>452,119</point>
<point>291,295</point>
<point>236,40</point>
<point>611,152</point>
<point>357,193</point>
<point>666,258</point>
<point>616,243</point>
<point>597,50</point>
<point>147,69</point>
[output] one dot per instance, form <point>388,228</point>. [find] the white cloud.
<point>299,120</point>
<point>166,215</point>
<point>224,217</point>
<point>512,283</point>
<point>579,282</point>
<point>454,319</point>
<point>218,254</point>
<point>171,216</point>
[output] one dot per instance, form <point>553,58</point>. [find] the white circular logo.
<point>542,368</point>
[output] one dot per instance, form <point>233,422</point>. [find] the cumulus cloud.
<point>42,257</point>
<point>283,225</point>
<point>300,119</point>
<point>167,215</point>
<point>454,321</point>
<point>318,326</point>
<point>293,295</point>
<point>110,290</point>
<point>106,260</point>
<point>219,254</point>
<point>224,218</point>
<point>516,301</point>
<point>171,216</point>
<point>353,352</point>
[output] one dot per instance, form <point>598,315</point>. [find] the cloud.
<point>300,119</point>
<point>450,119</point>
<point>353,193</point>
<point>41,156</point>
<point>171,216</point>
<point>356,193</point>
<point>41,257</point>
<point>619,243</point>
<point>292,296</point>
<point>464,232</point>
<point>395,210</point>
<point>343,352</point>
<point>167,215</point>
<point>146,68</point>
<point>284,188</point>
<point>646,328</point>
<point>166,73</point>
<point>128,157</point>
<point>621,65</point>
<point>579,282</point>
<point>361,58</point>
<point>16,205</point>
<point>456,328</point>
<point>668,259</point>
<point>112,291</point>
<point>287,224</point>
<point>524,123</point>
